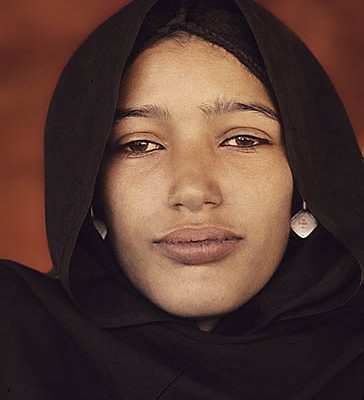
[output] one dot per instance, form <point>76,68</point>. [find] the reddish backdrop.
<point>37,38</point>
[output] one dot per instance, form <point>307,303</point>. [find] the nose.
<point>194,183</point>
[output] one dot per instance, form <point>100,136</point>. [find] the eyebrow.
<point>145,111</point>
<point>219,107</point>
<point>229,106</point>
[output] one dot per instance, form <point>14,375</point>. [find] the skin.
<point>189,169</point>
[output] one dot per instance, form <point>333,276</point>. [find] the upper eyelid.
<point>125,145</point>
<point>145,136</point>
<point>252,137</point>
<point>250,132</point>
<point>138,140</point>
<point>162,147</point>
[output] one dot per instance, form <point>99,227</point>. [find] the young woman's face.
<point>197,146</point>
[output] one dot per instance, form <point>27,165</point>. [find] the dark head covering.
<point>302,333</point>
<point>217,22</point>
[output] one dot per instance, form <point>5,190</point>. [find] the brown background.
<point>37,37</point>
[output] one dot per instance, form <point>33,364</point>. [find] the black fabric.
<point>90,335</point>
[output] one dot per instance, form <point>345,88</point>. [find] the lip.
<point>198,245</point>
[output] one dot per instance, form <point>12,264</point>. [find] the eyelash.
<point>258,141</point>
<point>252,147</point>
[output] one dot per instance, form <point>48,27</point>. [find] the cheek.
<point>131,199</point>
<point>261,187</point>
<point>261,200</point>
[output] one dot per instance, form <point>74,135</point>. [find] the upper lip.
<point>198,234</point>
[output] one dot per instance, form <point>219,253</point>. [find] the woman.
<point>204,197</point>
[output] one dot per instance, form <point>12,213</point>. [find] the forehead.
<point>194,69</point>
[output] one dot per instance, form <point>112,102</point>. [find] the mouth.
<point>193,246</point>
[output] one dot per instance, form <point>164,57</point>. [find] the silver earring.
<point>303,223</point>
<point>98,224</point>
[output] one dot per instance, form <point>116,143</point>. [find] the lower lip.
<point>202,252</point>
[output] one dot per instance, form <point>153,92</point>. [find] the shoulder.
<point>26,298</point>
<point>355,305</point>
<point>11,282</point>
<point>32,302</point>
<point>33,308</point>
<point>17,299</point>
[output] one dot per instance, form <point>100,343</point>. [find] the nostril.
<point>194,201</point>
<point>194,194</point>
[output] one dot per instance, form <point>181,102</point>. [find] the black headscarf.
<point>302,335</point>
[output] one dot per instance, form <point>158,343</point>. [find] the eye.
<point>244,141</point>
<point>137,148</point>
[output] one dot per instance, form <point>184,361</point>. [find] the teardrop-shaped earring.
<point>98,224</point>
<point>303,223</point>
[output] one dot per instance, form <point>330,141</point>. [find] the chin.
<point>200,306</point>
<point>200,311</point>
